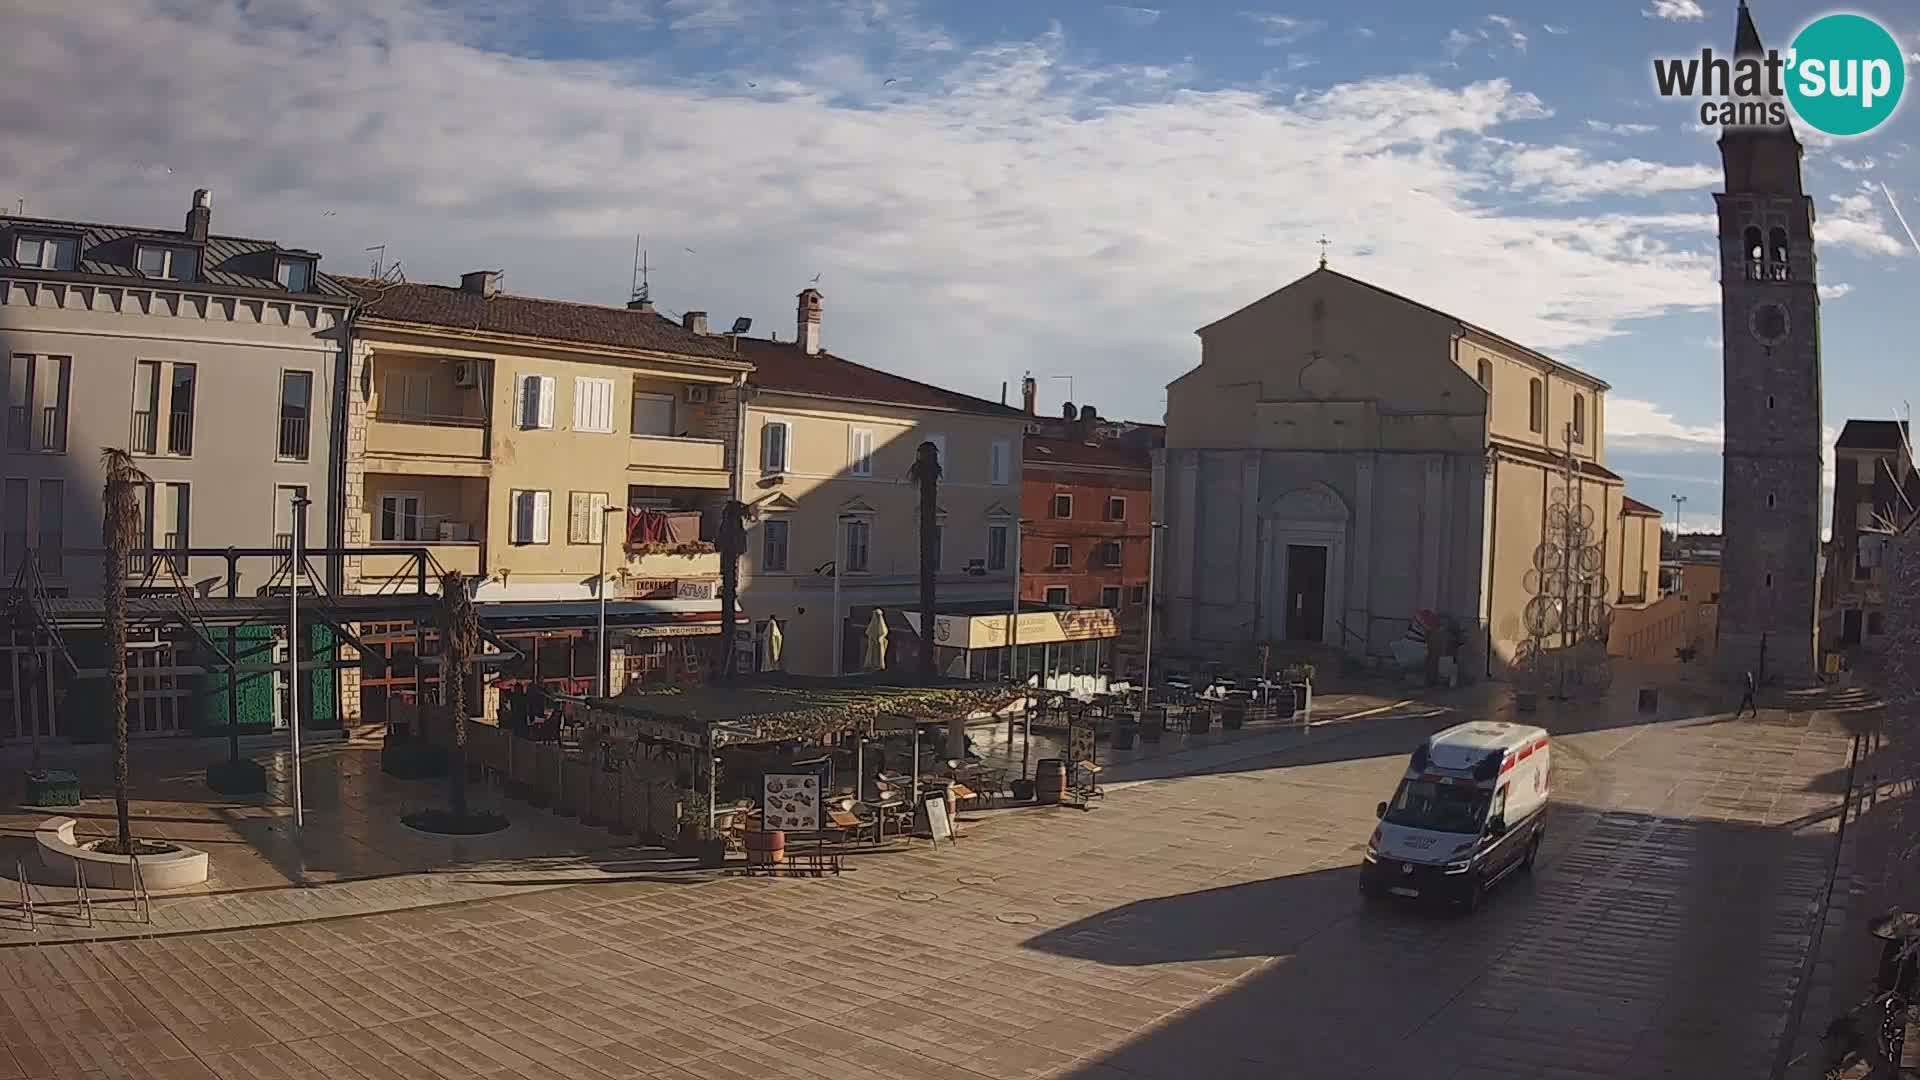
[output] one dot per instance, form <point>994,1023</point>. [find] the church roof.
<point>1631,505</point>
<point>1746,37</point>
<point>1591,470</point>
<point>1465,326</point>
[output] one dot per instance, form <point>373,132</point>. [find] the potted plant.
<point>1154,724</point>
<point>1022,789</point>
<point>1124,731</point>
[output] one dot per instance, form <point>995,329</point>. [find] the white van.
<point>1470,810</point>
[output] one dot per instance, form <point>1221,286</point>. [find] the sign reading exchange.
<point>1844,75</point>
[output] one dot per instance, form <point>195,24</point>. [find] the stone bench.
<point>181,868</point>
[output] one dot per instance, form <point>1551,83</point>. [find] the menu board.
<point>1079,743</point>
<point>790,802</point>
<point>938,825</point>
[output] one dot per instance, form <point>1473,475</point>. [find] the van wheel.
<point>1533,852</point>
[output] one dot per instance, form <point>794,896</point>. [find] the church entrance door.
<point>1306,591</point>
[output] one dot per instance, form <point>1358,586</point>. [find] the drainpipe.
<point>336,487</point>
<point>1493,544</point>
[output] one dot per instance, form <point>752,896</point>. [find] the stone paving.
<point>1202,919</point>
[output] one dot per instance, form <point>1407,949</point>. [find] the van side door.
<point>1501,849</point>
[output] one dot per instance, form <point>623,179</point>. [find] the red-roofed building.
<point>1087,499</point>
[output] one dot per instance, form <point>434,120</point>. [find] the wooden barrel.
<point>766,848</point>
<point>1050,781</point>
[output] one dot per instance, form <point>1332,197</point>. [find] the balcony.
<point>398,567</point>
<point>180,433</point>
<point>53,429</point>
<point>293,438</point>
<point>668,566</point>
<point>145,433</point>
<point>665,461</point>
<point>418,435</point>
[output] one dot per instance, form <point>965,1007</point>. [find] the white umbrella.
<point>876,658</point>
<point>776,641</point>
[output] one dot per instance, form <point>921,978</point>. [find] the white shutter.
<point>542,513</point>
<point>577,518</point>
<point>582,404</point>
<point>546,401</point>
<point>603,405</point>
<point>597,509</point>
<point>1002,453</point>
<point>775,452</point>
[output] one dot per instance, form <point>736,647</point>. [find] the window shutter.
<point>596,513</point>
<point>522,518</point>
<point>583,404</point>
<point>602,405</point>
<point>577,517</point>
<point>546,401</point>
<point>542,514</point>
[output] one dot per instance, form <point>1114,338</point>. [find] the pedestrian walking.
<point>1746,701</point>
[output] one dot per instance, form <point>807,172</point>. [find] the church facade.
<point>1344,457</point>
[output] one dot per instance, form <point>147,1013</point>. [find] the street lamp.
<point>1013,620</point>
<point>600,587</point>
<point>1153,562</point>
<point>839,637</point>
<point>299,516</point>
<point>1678,502</point>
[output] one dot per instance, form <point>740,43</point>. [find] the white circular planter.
<point>181,868</point>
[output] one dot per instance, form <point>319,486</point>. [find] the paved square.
<point>1202,924</point>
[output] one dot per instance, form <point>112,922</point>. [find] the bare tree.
<point>120,533</point>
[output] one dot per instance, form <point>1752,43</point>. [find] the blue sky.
<point>991,188</point>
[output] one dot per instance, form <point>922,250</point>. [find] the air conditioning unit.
<point>977,567</point>
<point>455,532</point>
<point>1033,428</point>
<point>466,374</point>
<point>697,395</point>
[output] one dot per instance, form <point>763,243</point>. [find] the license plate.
<point>1401,891</point>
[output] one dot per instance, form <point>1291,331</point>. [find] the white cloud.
<point>1853,164</point>
<point>1299,61</point>
<point>714,14</point>
<point>1514,36</point>
<point>1565,174</point>
<point>951,216</point>
<point>1458,41</point>
<point>1364,32</point>
<point>1633,419</point>
<point>1557,31</point>
<point>1284,29</point>
<point>1606,128</point>
<point>1133,16</point>
<point>1855,222</point>
<point>1676,11</point>
<point>1714,343</point>
<point>1834,292</point>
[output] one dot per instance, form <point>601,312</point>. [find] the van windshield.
<point>1447,808</point>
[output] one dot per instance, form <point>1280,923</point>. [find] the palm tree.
<point>120,533</point>
<point>926,473</point>
<point>732,543</point>
<point>459,641</point>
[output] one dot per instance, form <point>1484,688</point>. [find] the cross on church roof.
<point>1324,245</point>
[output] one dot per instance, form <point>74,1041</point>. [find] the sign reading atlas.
<point>1844,75</point>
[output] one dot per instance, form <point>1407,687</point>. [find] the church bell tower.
<point>1770,329</point>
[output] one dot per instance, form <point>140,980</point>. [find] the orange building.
<point>1086,508</point>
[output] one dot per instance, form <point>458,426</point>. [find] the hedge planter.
<point>1153,726</point>
<point>51,787</point>
<point>710,853</point>
<point>1200,721</point>
<point>1233,717</point>
<point>1123,736</point>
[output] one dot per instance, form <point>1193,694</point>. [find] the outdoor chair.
<point>854,827</point>
<point>1083,781</point>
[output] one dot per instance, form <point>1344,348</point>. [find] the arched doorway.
<point>1303,565</point>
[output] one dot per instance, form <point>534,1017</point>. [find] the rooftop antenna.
<point>640,292</point>
<point>379,253</point>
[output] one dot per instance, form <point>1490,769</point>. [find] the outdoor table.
<point>881,808</point>
<point>814,849</point>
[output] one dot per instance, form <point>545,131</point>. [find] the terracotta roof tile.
<point>1041,451</point>
<point>783,366</point>
<point>1556,461</point>
<point>534,317</point>
<point>1631,505</point>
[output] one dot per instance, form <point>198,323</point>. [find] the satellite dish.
<point>742,324</point>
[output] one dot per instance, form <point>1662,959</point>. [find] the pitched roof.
<point>106,255</point>
<point>1872,435</point>
<point>423,304</point>
<point>1104,455</point>
<point>785,367</point>
<point>1631,505</point>
<point>1586,468</point>
<point>1450,317</point>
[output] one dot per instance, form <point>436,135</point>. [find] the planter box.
<point>709,853</point>
<point>1154,724</point>
<point>1022,790</point>
<point>1200,721</point>
<point>51,787</point>
<point>1123,736</point>
<point>1233,717</point>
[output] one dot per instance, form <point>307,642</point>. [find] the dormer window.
<point>168,263</point>
<point>46,252</point>
<point>295,275</point>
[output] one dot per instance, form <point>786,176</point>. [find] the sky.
<point>995,187</point>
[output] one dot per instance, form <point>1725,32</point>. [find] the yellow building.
<point>1344,458</point>
<point>828,444</point>
<point>503,434</point>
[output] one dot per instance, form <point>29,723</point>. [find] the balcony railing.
<point>293,437</point>
<point>145,433</point>
<point>180,433</point>
<point>53,429</point>
<point>410,433</point>
<point>16,427</point>
<point>283,541</point>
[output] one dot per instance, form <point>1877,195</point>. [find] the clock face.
<point>1769,323</point>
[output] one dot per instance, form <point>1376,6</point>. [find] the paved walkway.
<point>1203,921</point>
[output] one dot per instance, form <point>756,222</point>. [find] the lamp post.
<point>839,636</point>
<point>600,587</point>
<point>1153,562</point>
<point>1013,620</point>
<point>299,515</point>
<point>1678,502</point>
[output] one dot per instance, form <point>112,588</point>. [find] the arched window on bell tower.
<point>1753,254</point>
<point>1777,254</point>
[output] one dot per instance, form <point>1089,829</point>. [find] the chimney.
<point>807,321</point>
<point>1029,391</point>
<point>1068,412</point>
<point>200,215</point>
<point>641,304</point>
<point>484,282</point>
<point>695,321</point>
<point>1088,414</point>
